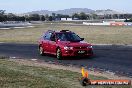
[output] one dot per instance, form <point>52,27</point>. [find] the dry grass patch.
<point>92,34</point>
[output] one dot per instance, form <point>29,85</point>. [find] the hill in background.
<point>75,10</point>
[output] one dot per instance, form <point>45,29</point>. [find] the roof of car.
<point>60,31</point>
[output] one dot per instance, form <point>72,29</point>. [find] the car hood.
<point>69,43</point>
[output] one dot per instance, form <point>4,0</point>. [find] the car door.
<point>45,43</point>
<point>52,44</point>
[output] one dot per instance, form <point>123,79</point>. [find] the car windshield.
<point>68,37</point>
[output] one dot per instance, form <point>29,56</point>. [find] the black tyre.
<point>85,82</point>
<point>59,54</point>
<point>41,51</point>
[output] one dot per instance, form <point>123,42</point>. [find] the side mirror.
<point>52,39</point>
<point>82,39</point>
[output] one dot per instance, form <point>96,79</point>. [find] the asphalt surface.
<point>110,58</point>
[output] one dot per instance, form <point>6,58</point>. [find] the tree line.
<point>54,17</point>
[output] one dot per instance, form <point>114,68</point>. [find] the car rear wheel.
<point>41,51</point>
<point>59,54</point>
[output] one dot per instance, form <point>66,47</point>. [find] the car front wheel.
<point>41,51</point>
<point>59,54</point>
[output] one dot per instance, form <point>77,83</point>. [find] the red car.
<point>64,43</point>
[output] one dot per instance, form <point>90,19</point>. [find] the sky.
<point>23,6</point>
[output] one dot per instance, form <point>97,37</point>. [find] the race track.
<point>113,58</point>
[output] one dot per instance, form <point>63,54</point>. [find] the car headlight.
<point>90,47</point>
<point>68,48</point>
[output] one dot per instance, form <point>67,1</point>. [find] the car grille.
<point>82,47</point>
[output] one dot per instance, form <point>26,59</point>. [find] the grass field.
<point>14,75</point>
<point>92,34</point>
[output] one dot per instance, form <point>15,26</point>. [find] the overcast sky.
<point>21,6</point>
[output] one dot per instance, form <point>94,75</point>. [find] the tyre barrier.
<point>117,24</point>
<point>109,24</point>
<point>128,24</point>
<point>97,24</point>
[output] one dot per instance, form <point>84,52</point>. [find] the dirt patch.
<point>37,63</point>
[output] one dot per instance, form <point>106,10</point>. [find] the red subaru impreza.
<point>64,43</point>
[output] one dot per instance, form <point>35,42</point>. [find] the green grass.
<point>14,75</point>
<point>92,34</point>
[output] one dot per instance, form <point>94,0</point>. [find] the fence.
<point>109,24</point>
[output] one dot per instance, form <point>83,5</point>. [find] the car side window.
<point>47,36</point>
<point>52,38</point>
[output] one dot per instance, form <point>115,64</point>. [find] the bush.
<point>130,20</point>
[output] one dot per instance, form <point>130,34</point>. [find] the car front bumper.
<point>78,52</point>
